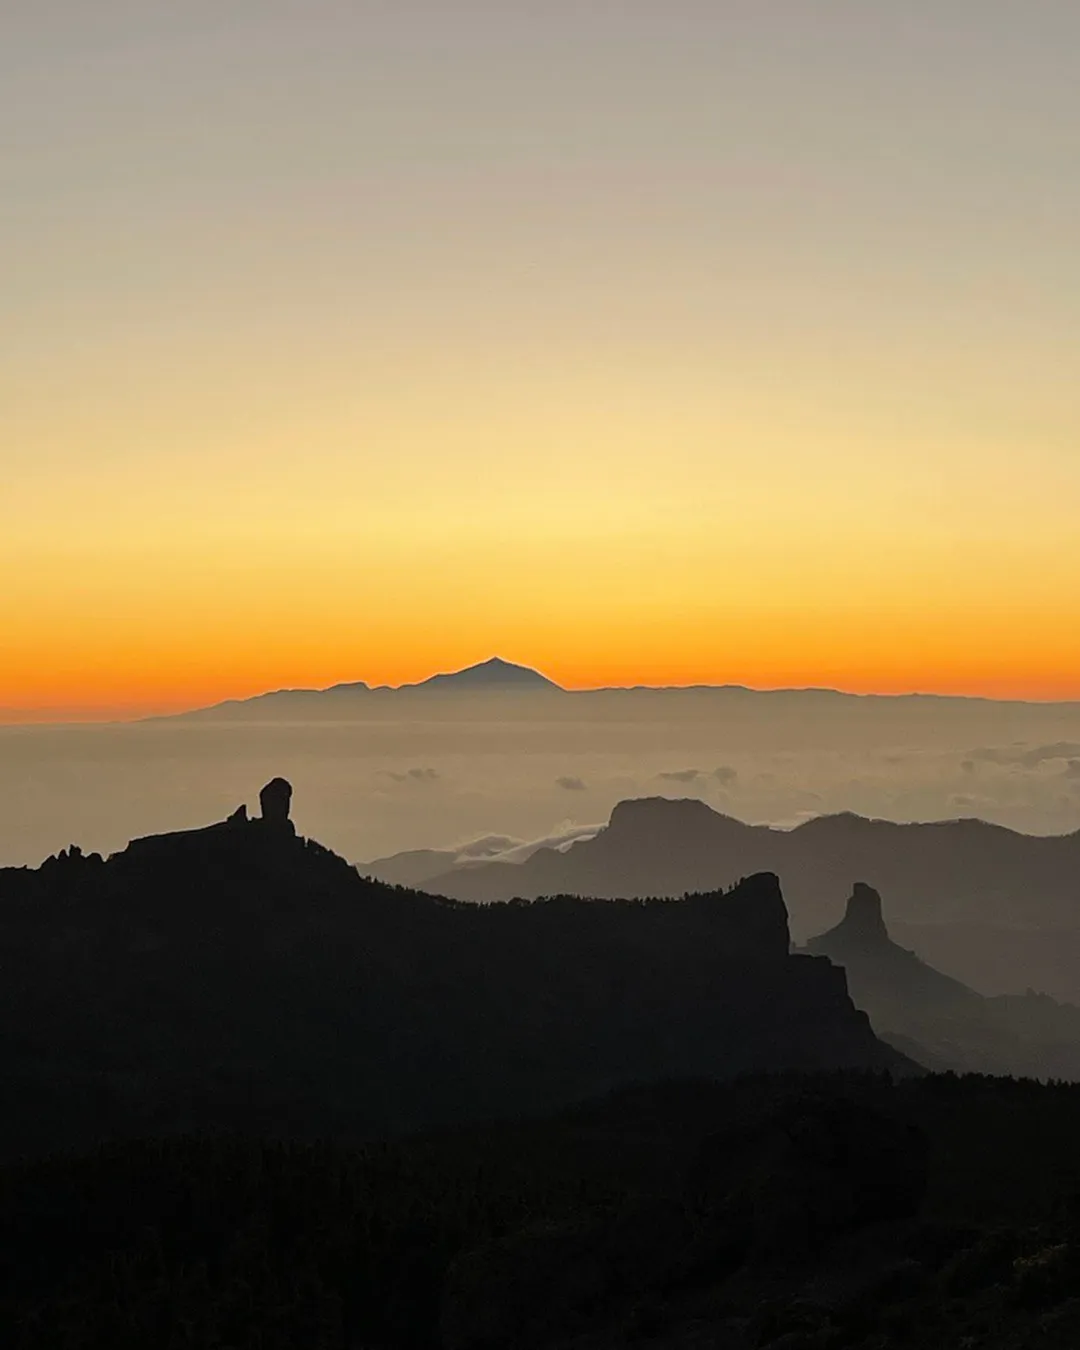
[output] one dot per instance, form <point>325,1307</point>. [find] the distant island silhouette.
<point>493,676</point>
<point>498,676</point>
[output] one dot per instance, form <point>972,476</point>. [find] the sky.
<point>712,340</point>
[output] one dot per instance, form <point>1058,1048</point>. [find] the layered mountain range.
<point>240,978</point>
<point>999,908</point>
<point>240,975</point>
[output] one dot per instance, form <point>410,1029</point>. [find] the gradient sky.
<point>728,340</point>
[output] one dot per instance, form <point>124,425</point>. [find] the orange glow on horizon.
<point>107,696</point>
<point>164,614</point>
<point>640,352</point>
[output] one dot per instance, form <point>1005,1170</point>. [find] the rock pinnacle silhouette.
<point>274,802</point>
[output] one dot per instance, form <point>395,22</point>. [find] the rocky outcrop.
<point>274,802</point>
<point>242,974</point>
<point>750,918</point>
<point>941,1022</point>
<point>236,834</point>
<point>863,922</point>
<point>884,978</point>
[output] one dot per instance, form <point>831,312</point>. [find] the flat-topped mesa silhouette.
<point>656,815</point>
<point>750,919</point>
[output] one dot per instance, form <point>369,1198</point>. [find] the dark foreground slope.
<point>912,1004</point>
<point>245,977</point>
<point>839,1213</point>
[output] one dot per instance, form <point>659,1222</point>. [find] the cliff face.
<point>651,846</point>
<point>241,975</point>
<point>946,871</point>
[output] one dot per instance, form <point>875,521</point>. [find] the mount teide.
<point>785,716</point>
<point>494,678</point>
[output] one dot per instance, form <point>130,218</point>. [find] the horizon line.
<point>92,714</point>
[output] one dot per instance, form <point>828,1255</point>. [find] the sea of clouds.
<point>487,789</point>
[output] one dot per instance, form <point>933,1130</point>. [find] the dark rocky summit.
<point>242,974</point>
<point>198,1007</point>
<point>274,802</point>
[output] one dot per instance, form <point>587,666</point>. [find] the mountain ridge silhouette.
<point>240,974</point>
<point>945,879</point>
<point>495,674</point>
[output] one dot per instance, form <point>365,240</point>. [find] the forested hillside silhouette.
<point>831,1212</point>
<point>262,1102</point>
<point>241,976</point>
